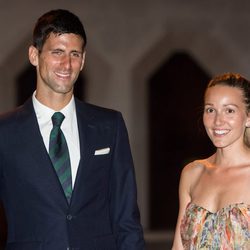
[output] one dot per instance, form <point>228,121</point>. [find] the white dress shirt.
<point>69,128</point>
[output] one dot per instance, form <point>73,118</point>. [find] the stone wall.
<point>127,41</point>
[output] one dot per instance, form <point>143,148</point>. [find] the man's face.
<point>59,63</point>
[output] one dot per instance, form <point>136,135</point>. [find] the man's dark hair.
<point>58,22</point>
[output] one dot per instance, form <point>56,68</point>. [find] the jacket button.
<point>69,217</point>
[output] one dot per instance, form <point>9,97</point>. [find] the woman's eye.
<point>209,110</point>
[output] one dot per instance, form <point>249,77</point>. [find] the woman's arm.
<point>184,199</point>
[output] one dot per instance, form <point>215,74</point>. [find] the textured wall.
<point>128,40</point>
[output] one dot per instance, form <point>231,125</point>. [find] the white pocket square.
<point>102,151</point>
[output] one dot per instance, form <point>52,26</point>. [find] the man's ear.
<point>33,55</point>
<point>83,59</point>
<point>248,121</point>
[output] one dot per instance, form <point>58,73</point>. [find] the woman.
<point>214,193</point>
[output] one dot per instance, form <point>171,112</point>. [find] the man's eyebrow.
<point>57,49</point>
<point>77,51</point>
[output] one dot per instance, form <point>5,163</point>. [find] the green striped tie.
<point>59,154</point>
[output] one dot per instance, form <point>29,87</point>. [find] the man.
<point>67,177</point>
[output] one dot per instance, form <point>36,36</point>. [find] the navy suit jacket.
<point>103,213</point>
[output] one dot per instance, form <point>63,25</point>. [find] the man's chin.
<point>63,90</point>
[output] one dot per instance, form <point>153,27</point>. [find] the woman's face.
<point>225,116</point>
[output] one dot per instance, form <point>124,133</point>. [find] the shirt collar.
<point>45,113</point>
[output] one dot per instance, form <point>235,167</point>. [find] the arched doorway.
<point>176,134</point>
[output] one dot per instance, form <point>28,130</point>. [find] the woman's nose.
<point>219,119</point>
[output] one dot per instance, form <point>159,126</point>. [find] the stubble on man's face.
<point>59,64</point>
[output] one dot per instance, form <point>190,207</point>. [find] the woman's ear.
<point>33,55</point>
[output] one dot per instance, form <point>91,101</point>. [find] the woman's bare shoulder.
<point>191,173</point>
<point>195,167</point>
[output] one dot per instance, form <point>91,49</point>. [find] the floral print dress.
<point>227,229</point>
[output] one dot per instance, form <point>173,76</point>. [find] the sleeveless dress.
<point>227,229</point>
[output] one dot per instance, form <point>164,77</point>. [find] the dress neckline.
<point>227,207</point>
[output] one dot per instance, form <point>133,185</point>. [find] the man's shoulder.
<point>10,115</point>
<point>14,115</point>
<point>97,112</point>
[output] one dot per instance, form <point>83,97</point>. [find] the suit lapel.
<point>87,134</point>
<point>30,136</point>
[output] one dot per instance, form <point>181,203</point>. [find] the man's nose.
<point>66,62</point>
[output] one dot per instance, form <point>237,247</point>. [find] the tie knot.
<point>57,119</point>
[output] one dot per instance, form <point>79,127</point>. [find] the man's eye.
<point>57,52</point>
<point>75,54</point>
<point>230,111</point>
